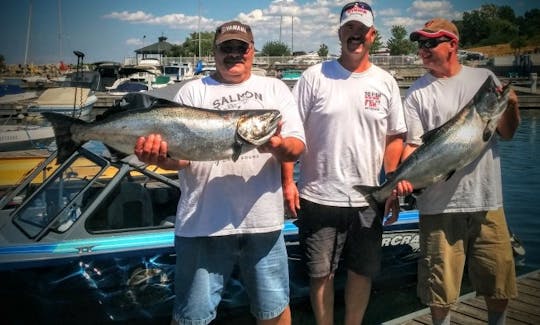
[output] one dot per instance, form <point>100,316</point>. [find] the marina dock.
<point>525,309</point>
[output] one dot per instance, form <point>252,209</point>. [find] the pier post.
<point>533,77</point>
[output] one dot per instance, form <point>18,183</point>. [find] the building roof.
<point>159,47</point>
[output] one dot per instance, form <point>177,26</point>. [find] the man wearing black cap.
<point>463,217</point>
<point>354,124</point>
<point>231,213</point>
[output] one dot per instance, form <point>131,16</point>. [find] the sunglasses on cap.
<point>431,42</point>
<point>228,48</point>
<point>360,4</point>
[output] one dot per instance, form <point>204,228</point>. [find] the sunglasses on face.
<point>431,42</point>
<point>228,48</point>
<point>362,5</point>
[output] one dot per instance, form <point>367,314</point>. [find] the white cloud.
<point>315,22</point>
<point>424,10</point>
<point>134,41</point>
<point>137,16</point>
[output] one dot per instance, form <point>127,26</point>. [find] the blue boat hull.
<point>138,284</point>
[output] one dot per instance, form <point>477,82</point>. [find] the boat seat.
<point>131,208</point>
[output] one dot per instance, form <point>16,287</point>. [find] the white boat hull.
<point>22,137</point>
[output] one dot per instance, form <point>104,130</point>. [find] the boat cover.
<point>63,96</point>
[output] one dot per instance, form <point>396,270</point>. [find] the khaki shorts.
<point>448,240</point>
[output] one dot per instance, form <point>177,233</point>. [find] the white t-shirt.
<point>429,103</point>
<point>225,197</point>
<point>347,117</point>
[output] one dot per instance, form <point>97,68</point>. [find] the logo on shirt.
<point>372,100</point>
<point>236,101</point>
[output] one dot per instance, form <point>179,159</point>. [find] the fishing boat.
<point>73,101</point>
<point>96,234</point>
<point>178,72</point>
<point>74,97</point>
<point>25,136</point>
<point>12,94</point>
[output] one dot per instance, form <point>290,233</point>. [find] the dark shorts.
<point>330,234</point>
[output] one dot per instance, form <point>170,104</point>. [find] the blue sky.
<point>113,29</point>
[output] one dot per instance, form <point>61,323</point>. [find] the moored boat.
<point>73,101</point>
<point>97,232</point>
<point>25,136</point>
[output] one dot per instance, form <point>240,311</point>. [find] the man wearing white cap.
<point>354,126</point>
<point>463,217</point>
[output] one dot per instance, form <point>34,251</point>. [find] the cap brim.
<point>363,21</point>
<point>441,33</point>
<point>225,38</point>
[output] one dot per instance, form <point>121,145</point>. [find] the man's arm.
<point>291,196</point>
<point>510,119</point>
<point>392,152</point>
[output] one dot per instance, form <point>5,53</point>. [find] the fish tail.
<point>62,132</point>
<point>367,192</point>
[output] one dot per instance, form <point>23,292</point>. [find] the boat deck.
<point>525,309</point>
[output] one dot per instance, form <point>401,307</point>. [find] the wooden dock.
<point>525,309</point>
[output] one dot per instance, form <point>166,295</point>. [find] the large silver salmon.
<point>448,148</point>
<point>191,133</point>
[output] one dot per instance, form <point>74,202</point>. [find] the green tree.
<point>174,51</point>
<point>517,44</point>
<point>323,51</point>
<point>377,44</point>
<point>275,48</point>
<point>399,43</point>
<point>528,24</point>
<point>506,13</point>
<point>190,47</point>
<point>488,25</point>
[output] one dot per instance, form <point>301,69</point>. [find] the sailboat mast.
<point>199,29</point>
<point>60,47</point>
<point>292,34</point>
<point>29,27</point>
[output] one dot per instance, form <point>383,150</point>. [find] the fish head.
<point>257,126</point>
<point>490,102</point>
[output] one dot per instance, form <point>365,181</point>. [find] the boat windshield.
<point>172,70</point>
<point>51,201</point>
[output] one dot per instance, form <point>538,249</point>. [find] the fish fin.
<point>450,174</point>
<point>429,134</point>
<point>237,150</point>
<point>116,155</point>
<point>367,193</point>
<point>486,135</point>
<point>417,192</point>
<point>62,132</point>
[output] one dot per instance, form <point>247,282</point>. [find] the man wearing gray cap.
<point>230,213</point>
<point>354,126</point>
<point>461,219</point>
